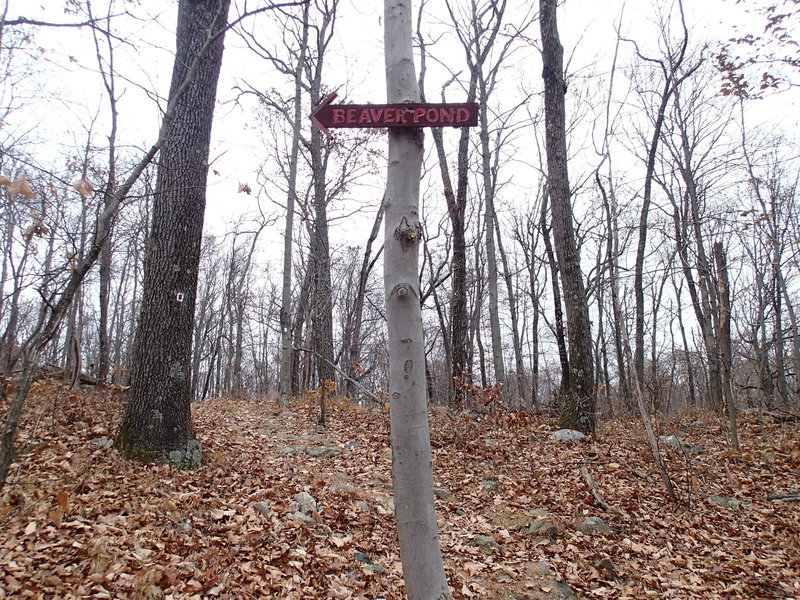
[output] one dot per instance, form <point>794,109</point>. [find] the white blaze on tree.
<point>420,552</point>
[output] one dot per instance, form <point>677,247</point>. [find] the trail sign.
<point>328,115</point>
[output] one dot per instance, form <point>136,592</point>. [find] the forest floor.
<point>76,521</point>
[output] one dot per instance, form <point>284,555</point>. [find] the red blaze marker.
<point>329,115</point>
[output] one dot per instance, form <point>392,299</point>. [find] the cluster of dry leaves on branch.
<point>76,521</point>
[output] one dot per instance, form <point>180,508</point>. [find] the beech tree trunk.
<point>157,425</point>
<point>491,257</point>
<point>578,408</point>
<point>420,552</point>
<point>287,351</point>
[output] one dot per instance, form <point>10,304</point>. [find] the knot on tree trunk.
<point>407,234</point>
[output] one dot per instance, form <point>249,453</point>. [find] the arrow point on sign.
<point>325,101</point>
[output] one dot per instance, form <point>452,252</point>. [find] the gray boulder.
<point>568,435</point>
<point>489,485</point>
<point>563,591</point>
<point>542,529</point>
<point>727,502</point>
<point>323,451</point>
<point>676,442</point>
<point>592,525</point>
<point>485,542</point>
<point>367,565</point>
<point>263,508</point>
<point>304,503</point>
<point>606,566</point>
<point>442,493</point>
<point>307,519</point>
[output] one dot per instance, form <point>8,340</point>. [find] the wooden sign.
<point>329,115</point>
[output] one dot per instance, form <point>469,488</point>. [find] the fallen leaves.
<point>77,521</point>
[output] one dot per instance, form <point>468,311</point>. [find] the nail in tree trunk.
<point>157,426</point>
<point>578,408</point>
<point>420,552</point>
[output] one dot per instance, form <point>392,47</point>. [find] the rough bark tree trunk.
<point>459,366</point>
<point>578,408</point>
<point>519,367</point>
<point>353,345</point>
<point>498,361</point>
<point>672,80</point>
<point>559,329</point>
<point>104,350</point>
<point>612,265</point>
<point>322,309</point>
<point>724,340</point>
<point>157,426</point>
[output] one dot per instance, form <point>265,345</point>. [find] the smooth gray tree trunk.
<point>420,553</point>
<point>287,350</point>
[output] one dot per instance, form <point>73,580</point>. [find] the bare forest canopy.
<point>719,176</point>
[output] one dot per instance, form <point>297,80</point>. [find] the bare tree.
<point>420,552</point>
<point>674,71</point>
<point>578,401</point>
<point>456,198</point>
<point>157,425</point>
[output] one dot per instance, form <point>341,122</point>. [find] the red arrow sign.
<point>329,115</point>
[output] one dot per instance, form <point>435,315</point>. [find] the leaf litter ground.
<point>76,521</point>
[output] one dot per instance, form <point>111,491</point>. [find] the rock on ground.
<point>727,502</point>
<point>592,525</point>
<point>304,503</point>
<point>569,435</point>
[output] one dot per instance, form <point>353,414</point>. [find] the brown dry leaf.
<point>56,516</point>
<point>84,188</point>
<point>170,576</point>
<point>63,500</point>
<point>473,568</point>
<point>196,530</point>
<point>21,187</point>
<point>4,180</point>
